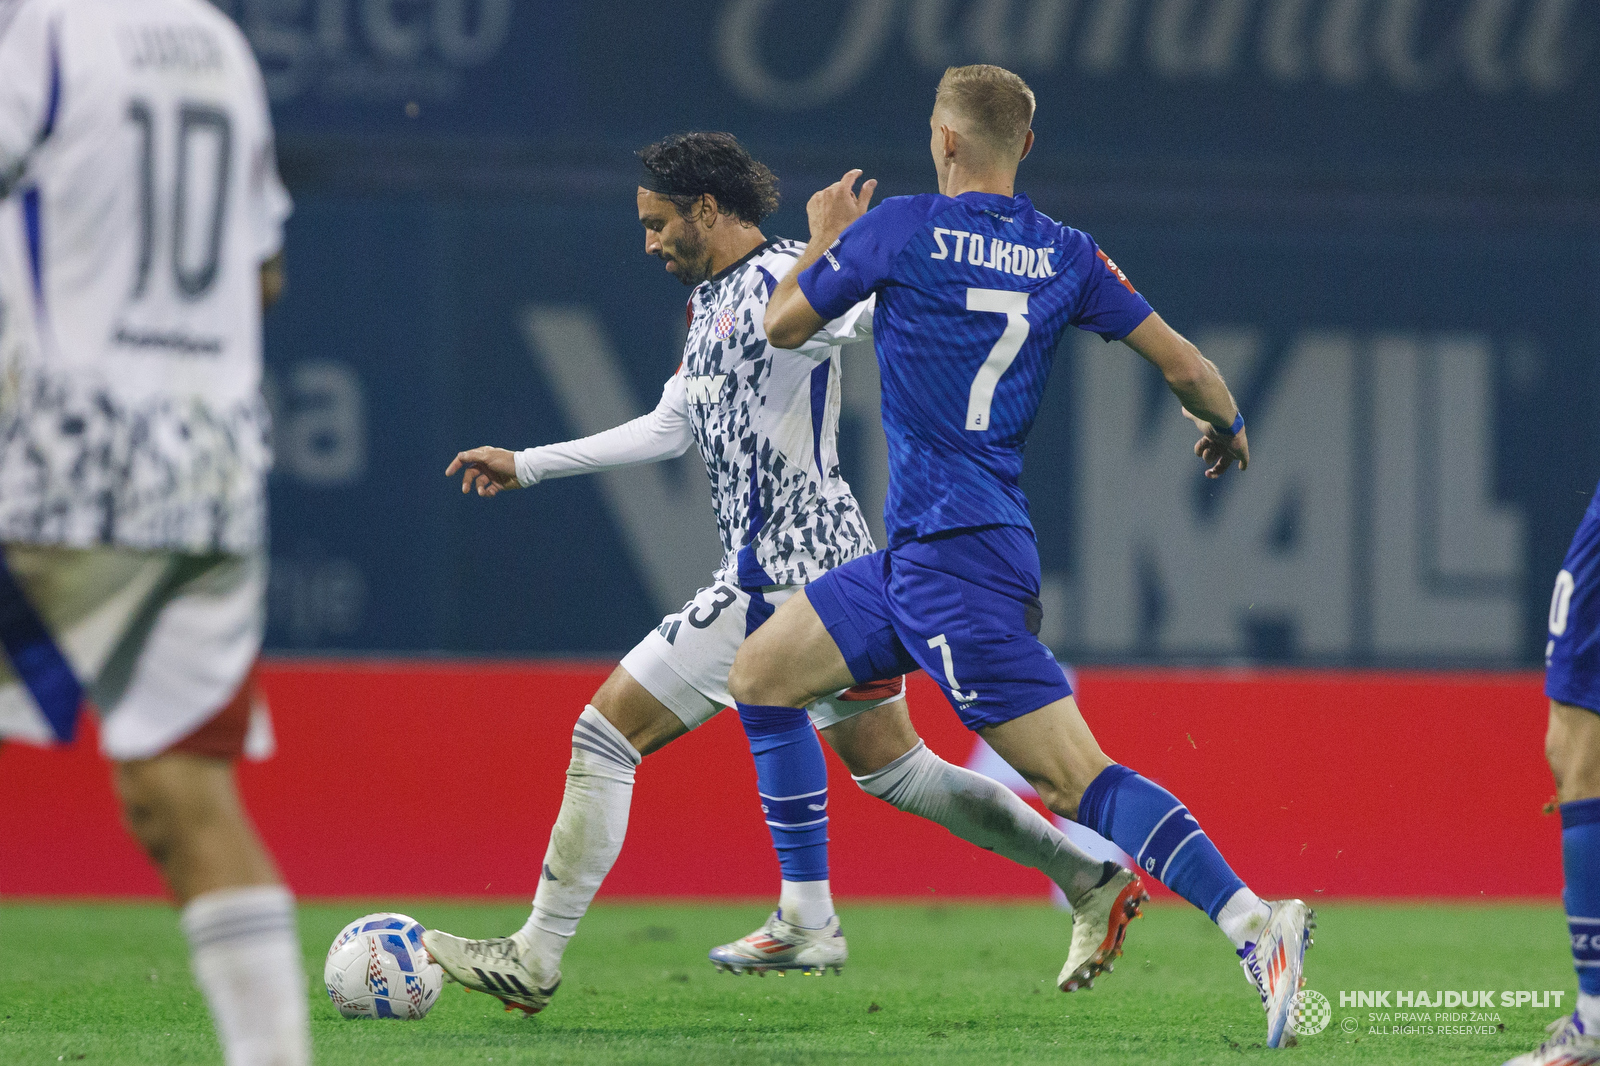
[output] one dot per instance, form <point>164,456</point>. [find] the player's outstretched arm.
<point>664,433</point>
<point>790,319</point>
<point>1198,385</point>
<point>489,470</point>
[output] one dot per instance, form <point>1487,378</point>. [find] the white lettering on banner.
<point>660,508</point>
<point>1413,559</point>
<point>993,29</point>
<point>1496,46</point>
<point>371,49</point>
<point>312,597</point>
<point>319,424</point>
<point>1157,574</point>
<point>744,28</point>
<point>1457,589</point>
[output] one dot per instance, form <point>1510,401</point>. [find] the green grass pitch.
<point>109,983</point>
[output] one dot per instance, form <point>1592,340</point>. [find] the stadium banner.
<point>1280,86</point>
<point>1422,427</point>
<point>1323,784</point>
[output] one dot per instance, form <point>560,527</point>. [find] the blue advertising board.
<point>1422,407</point>
<point>1380,217</point>
<point>1387,90</point>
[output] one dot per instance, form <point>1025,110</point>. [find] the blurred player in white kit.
<point>141,220</point>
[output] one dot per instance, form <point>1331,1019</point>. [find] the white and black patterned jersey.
<point>766,421</point>
<point>140,197</point>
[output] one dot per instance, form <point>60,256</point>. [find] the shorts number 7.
<point>1014,305</point>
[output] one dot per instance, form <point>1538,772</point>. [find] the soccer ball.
<point>378,968</point>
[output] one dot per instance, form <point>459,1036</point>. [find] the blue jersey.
<point>1572,656</point>
<point>973,294</point>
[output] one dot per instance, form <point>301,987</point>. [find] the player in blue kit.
<point>1572,681</point>
<point>974,288</point>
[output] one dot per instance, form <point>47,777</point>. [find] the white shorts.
<point>163,643</point>
<point>684,662</point>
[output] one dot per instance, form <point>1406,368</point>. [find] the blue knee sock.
<point>1580,861</point>
<point>1148,822</point>
<point>793,782</point>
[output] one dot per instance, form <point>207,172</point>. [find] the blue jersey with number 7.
<point>973,293</point>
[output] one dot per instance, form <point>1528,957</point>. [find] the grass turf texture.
<point>925,984</point>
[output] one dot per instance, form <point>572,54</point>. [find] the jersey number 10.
<point>1014,305</point>
<point>193,280</point>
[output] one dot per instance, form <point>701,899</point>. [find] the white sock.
<point>1589,1013</point>
<point>584,842</point>
<point>986,813</point>
<point>1243,918</point>
<point>808,904</point>
<point>246,959</point>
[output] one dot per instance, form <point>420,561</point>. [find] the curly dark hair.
<point>686,166</point>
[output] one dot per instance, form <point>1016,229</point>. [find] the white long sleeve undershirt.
<point>665,433</point>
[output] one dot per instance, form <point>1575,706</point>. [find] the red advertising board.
<point>430,779</point>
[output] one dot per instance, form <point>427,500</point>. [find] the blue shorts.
<point>1572,657</point>
<point>963,606</point>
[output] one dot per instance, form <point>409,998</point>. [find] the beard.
<point>694,266</point>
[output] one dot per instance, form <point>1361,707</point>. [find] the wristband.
<point>1235,429</point>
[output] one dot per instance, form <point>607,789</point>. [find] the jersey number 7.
<point>1014,305</point>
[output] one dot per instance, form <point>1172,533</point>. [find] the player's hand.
<point>1217,449</point>
<point>489,470</point>
<point>831,210</point>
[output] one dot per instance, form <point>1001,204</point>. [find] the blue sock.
<point>1148,822</point>
<point>1580,862</point>
<point>793,782</point>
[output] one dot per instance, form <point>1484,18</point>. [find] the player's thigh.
<point>838,633</point>
<point>676,678</point>
<point>1572,744</point>
<point>1054,749</point>
<point>790,660</point>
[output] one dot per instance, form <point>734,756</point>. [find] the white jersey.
<point>766,421</point>
<point>141,197</point>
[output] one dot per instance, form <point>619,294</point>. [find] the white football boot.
<point>1567,1045</point>
<point>781,946</point>
<point>1099,924</point>
<point>1275,963</point>
<point>494,966</point>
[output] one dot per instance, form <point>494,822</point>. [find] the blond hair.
<point>997,102</point>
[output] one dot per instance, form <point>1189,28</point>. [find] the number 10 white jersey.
<point>141,197</point>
